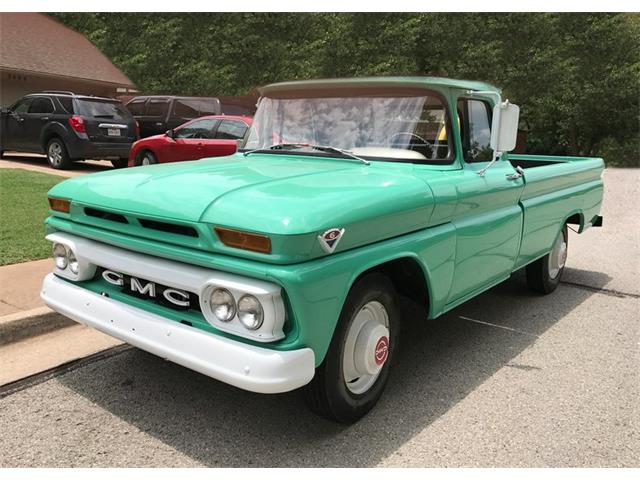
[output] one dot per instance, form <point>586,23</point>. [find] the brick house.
<point>38,53</point>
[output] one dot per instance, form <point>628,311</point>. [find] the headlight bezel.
<point>271,328</point>
<point>83,270</point>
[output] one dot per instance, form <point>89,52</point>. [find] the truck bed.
<point>555,187</point>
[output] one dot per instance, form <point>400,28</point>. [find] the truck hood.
<point>289,197</point>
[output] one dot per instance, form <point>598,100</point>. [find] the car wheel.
<point>57,154</point>
<point>543,275</point>
<point>147,158</point>
<point>355,370</point>
<point>120,163</point>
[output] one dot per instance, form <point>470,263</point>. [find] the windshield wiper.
<point>320,148</point>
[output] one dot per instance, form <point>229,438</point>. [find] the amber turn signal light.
<point>244,240</point>
<point>59,205</point>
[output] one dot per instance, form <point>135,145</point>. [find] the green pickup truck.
<point>281,266</point>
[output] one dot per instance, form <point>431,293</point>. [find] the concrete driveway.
<point>507,379</point>
<point>38,163</point>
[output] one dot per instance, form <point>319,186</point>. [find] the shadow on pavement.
<point>440,362</point>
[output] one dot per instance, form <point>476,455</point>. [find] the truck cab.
<point>280,267</point>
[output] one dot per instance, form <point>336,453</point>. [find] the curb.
<point>30,323</point>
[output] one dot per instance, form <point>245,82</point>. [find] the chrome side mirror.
<point>504,131</point>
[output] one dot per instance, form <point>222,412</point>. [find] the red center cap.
<point>382,350</point>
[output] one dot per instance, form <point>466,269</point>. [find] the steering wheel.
<point>199,135</point>
<point>426,142</point>
<point>411,134</point>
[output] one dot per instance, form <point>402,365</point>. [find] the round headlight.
<point>73,262</point>
<point>250,312</point>
<point>60,256</point>
<point>222,304</point>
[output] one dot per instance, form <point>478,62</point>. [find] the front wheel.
<point>543,275</point>
<point>355,370</point>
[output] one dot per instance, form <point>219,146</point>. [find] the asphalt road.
<point>508,379</point>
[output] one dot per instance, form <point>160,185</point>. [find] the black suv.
<point>68,127</point>
<point>158,113</point>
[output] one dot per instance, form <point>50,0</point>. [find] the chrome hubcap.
<point>558,256</point>
<point>146,161</point>
<point>55,153</point>
<point>366,348</point>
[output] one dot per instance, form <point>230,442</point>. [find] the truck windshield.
<point>414,128</point>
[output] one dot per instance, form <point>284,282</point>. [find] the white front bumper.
<point>245,366</point>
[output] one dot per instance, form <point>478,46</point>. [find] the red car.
<point>211,136</point>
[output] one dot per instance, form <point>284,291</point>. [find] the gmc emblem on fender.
<point>145,288</point>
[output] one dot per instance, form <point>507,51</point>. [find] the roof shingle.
<point>37,43</point>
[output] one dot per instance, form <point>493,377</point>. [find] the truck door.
<point>154,120</point>
<point>488,218</point>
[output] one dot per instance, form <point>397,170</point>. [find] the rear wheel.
<point>355,370</point>
<point>147,158</point>
<point>543,275</point>
<point>57,154</point>
<point>120,162</point>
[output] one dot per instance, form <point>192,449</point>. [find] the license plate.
<point>113,132</point>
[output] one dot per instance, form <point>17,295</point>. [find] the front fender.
<point>317,290</point>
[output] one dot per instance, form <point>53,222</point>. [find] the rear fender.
<point>53,129</point>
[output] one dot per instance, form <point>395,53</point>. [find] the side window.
<point>136,107</point>
<point>197,129</point>
<point>41,105</point>
<point>209,107</point>
<point>157,107</point>
<point>231,130</point>
<point>22,106</point>
<point>476,130</point>
<point>183,108</point>
<point>66,103</point>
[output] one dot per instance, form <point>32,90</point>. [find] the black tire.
<point>57,154</point>
<point>1,153</point>
<point>120,163</point>
<point>148,156</point>
<point>328,394</point>
<point>539,277</point>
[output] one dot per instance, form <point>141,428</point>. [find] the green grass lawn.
<point>23,208</point>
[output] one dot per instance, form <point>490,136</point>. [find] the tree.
<point>575,76</point>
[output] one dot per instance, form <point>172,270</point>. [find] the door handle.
<point>44,119</point>
<point>514,176</point>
